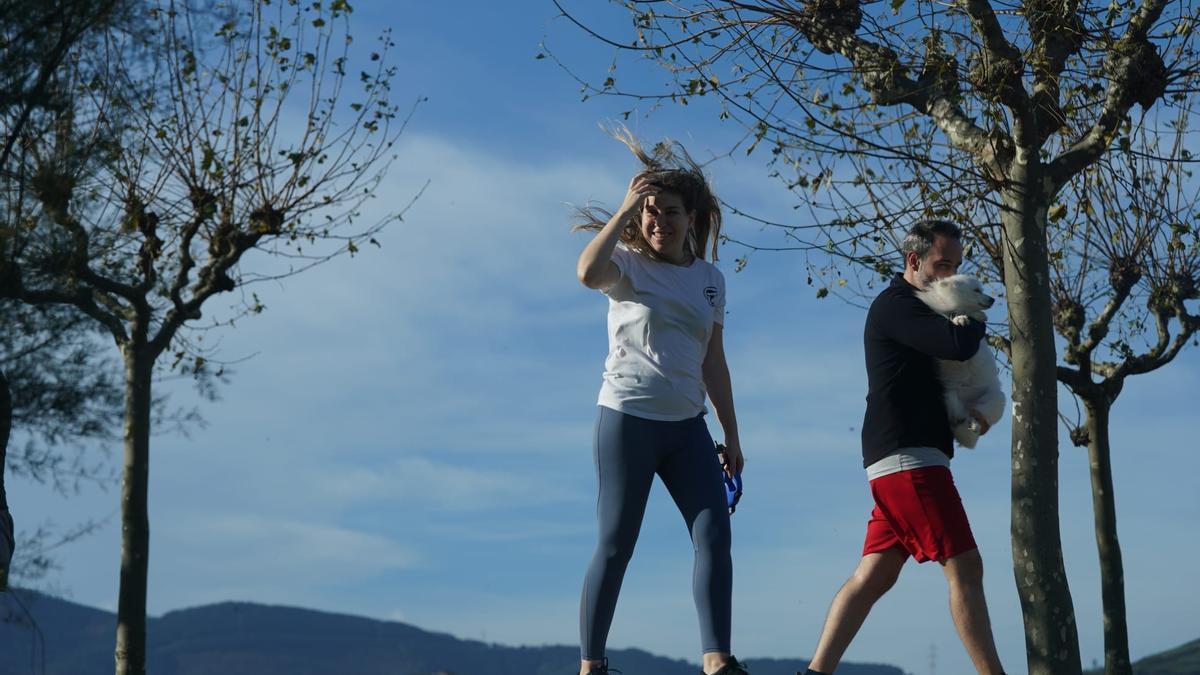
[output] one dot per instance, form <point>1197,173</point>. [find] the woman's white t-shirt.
<point>660,317</point>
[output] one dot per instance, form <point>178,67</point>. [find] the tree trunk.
<point>135,520</point>
<point>5,428</point>
<point>1051,636</point>
<point>5,422</point>
<point>1112,574</point>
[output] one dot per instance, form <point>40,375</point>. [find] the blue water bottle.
<point>733,484</point>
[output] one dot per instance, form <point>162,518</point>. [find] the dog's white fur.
<point>973,384</point>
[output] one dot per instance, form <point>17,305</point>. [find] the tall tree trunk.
<point>5,421</point>
<point>135,520</point>
<point>5,428</point>
<point>1051,636</point>
<point>1112,573</point>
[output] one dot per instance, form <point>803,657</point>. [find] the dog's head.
<point>958,294</point>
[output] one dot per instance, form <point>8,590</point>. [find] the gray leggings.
<point>629,451</point>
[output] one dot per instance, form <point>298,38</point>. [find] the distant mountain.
<point>1182,660</point>
<point>240,638</point>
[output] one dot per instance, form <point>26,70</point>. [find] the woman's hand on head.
<point>640,187</point>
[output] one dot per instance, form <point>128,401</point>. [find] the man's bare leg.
<point>876,573</point>
<point>968,607</point>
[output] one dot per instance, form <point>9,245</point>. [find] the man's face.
<point>941,260</point>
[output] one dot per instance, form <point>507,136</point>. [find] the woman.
<point>665,315</point>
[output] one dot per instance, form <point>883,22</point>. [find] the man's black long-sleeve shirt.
<point>902,339</point>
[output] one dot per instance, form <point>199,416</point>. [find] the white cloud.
<point>430,484</point>
<point>210,557</point>
<point>253,544</point>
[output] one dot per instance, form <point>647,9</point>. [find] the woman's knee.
<point>616,545</point>
<point>711,533</point>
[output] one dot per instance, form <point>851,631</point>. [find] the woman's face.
<point>665,225</point>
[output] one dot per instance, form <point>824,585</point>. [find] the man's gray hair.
<point>920,236</point>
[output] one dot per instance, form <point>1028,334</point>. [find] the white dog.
<point>973,384</point>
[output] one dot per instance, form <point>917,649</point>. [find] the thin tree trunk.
<point>5,428</point>
<point>5,421</point>
<point>1112,574</point>
<point>1051,636</point>
<point>135,520</point>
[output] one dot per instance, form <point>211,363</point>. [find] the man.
<point>907,445</point>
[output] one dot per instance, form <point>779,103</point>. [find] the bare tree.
<point>879,112</point>
<point>1126,265</point>
<point>221,131</point>
<point>52,387</point>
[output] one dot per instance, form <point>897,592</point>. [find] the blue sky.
<point>410,437</point>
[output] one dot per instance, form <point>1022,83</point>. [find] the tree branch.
<point>1098,329</point>
<point>1137,75</point>
<point>1076,380</point>
<point>1000,70</point>
<point>54,191</point>
<point>1057,32</point>
<point>79,298</point>
<point>830,25</point>
<point>1160,355</point>
<point>203,205</point>
<point>53,59</point>
<point>226,247</point>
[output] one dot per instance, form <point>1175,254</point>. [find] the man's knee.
<point>876,576</point>
<point>965,569</point>
<point>873,586</point>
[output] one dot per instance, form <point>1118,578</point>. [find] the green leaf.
<point>896,5</point>
<point>1056,212</point>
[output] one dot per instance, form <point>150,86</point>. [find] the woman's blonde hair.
<point>673,171</point>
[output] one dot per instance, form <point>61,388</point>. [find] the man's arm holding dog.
<point>913,324</point>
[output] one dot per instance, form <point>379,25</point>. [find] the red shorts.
<point>918,511</point>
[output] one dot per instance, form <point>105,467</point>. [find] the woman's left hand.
<point>733,459</point>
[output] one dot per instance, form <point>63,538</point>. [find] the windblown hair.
<point>673,171</point>
<point>920,237</point>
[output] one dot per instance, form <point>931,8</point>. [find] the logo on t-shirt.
<point>710,292</point>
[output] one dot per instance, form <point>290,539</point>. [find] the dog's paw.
<point>961,320</point>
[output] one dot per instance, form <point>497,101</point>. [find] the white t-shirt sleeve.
<point>622,258</point>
